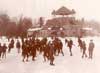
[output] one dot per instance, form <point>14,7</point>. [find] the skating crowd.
<point>30,47</point>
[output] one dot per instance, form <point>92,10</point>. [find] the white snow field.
<point>63,64</point>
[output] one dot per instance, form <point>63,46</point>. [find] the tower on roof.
<point>63,11</point>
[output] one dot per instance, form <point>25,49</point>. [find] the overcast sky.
<point>89,9</point>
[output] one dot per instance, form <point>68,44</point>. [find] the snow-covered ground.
<point>63,64</point>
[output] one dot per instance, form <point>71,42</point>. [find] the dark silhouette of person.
<point>70,43</point>
<point>80,43</point>
<point>33,51</point>
<point>46,52</point>
<point>84,49</point>
<point>91,48</point>
<point>18,46</point>
<point>51,54</point>
<point>4,48</point>
<point>0,50</point>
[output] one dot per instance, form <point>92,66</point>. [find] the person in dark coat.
<point>42,43</point>
<point>12,42</point>
<point>25,51</point>
<point>18,46</point>
<point>46,52</point>
<point>80,43</point>
<point>55,45</point>
<point>66,41</point>
<point>51,54</point>
<point>91,48</point>
<point>11,45</point>
<point>70,43</point>
<point>60,48</point>
<point>4,48</point>
<point>0,50</point>
<point>33,51</point>
<point>84,49</point>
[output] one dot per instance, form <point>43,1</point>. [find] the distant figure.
<point>46,52</point>
<point>11,45</point>
<point>33,50</point>
<point>84,49</point>
<point>70,43</point>
<point>25,51</point>
<point>0,50</point>
<point>18,46</point>
<point>12,42</point>
<point>91,48</point>
<point>51,54</point>
<point>58,46</point>
<point>80,43</point>
<point>4,48</point>
<point>66,41</point>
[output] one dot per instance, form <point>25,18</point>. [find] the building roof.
<point>60,21</point>
<point>64,11</point>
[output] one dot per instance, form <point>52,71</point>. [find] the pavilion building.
<point>63,23</point>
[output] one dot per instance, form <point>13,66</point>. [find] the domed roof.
<point>63,11</point>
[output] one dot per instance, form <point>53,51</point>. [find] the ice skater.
<point>84,49</point>
<point>91,48</point>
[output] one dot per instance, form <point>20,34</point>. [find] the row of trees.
<point>11,28</point>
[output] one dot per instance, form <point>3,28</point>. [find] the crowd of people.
<point>31,47</point>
